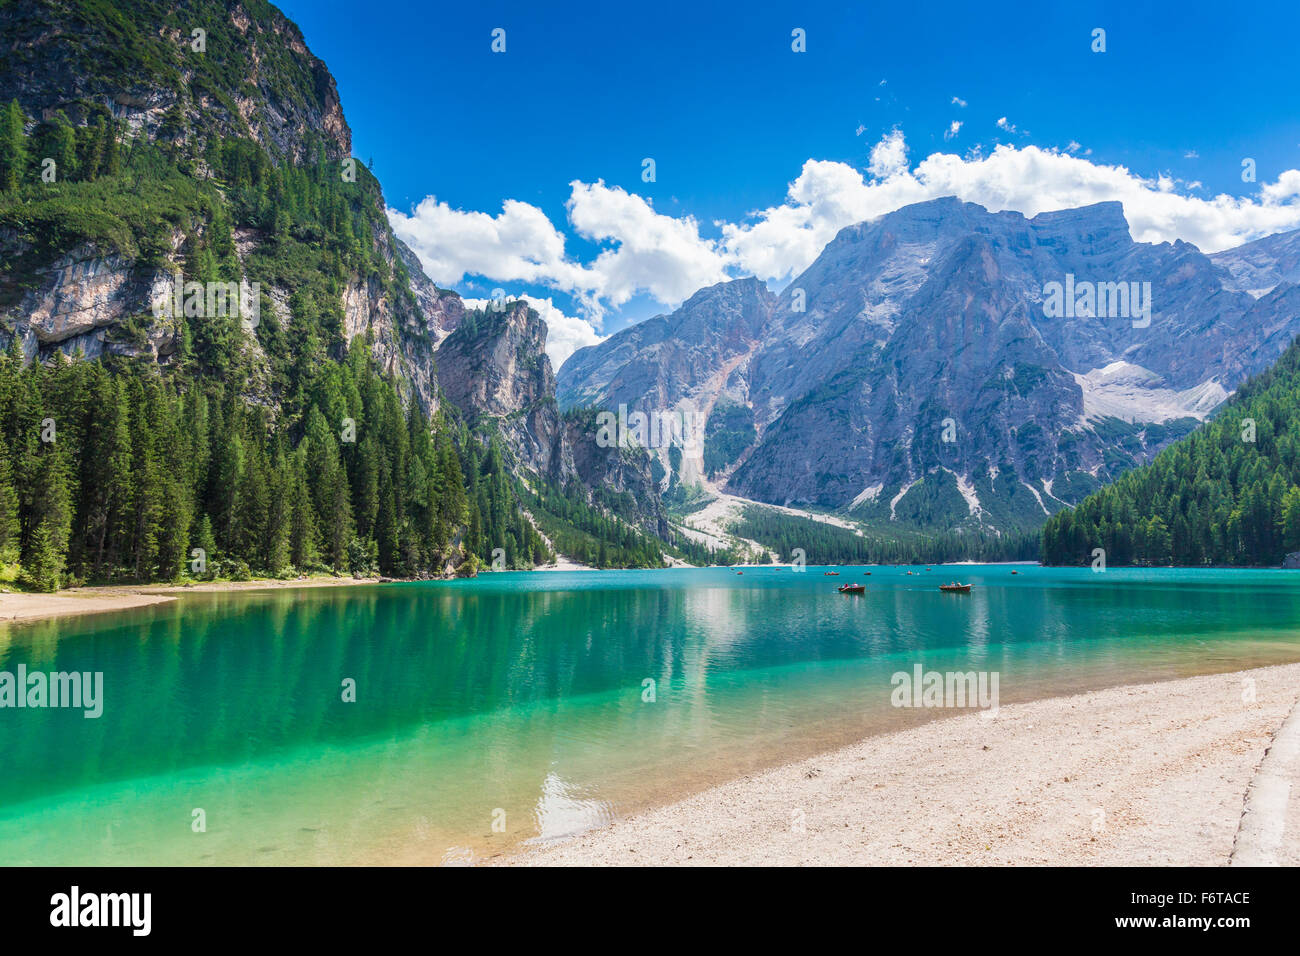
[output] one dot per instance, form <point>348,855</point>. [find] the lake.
<point>528,706</point>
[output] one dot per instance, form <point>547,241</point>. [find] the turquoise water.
<point>520,700</point>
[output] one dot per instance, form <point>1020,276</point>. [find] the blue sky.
<point>730,114</point>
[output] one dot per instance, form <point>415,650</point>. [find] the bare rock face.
<point>83,292</point>
<point>495,362</point>
<point>494,366</point>
<point>917,369</point>
<point>77,301</point>
<point>1261,266</point>
<point>440,309</point>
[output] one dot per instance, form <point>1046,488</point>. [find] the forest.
<point>1226,495</point>
<point>824,543</point>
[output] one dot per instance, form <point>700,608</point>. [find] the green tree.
<point>13,147</point>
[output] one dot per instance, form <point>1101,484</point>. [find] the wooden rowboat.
<point>831,574</point>
<point>957,588</point>
<point>851,588</point>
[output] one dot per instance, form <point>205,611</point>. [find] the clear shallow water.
<point>521,695</point>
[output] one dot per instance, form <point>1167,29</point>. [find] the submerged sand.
<point>1149,774</point>
<point>30,607</point>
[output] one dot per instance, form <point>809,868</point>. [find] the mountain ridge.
<point>849,397</point>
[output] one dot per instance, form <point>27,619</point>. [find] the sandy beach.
<point>1149,774</point>
<point>30,607</point>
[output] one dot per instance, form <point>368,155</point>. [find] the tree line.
<point>1228,494</point>
<point>133,475</point>
<point>824,543</point>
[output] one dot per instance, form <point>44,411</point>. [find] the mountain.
<point>200,288</point>
<point>495,369</point>
<point>925,372</point>
<point>1228,494</point>
<point>1261,266</point>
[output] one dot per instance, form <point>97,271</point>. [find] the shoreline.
<point>22,606</point>
<point>1150,774</point>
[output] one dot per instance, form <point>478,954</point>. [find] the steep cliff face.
<point>686,365</point>
<point>494,367</point>
<point>69,282</point>
<point>179,72</point>
<point>701,349</point>
<point>1259,267</point>
<point>918,371</point>
<point>80,298</point>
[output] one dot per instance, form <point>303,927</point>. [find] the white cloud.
<point>662,255</point>
<point>642,250</point>
<point>827,196</point>
<point>648,251</point>
<point>958,101</point>
<point>1003,124</point>
<point>519,244</point>
<point>889,156</point>
<point>953,129</point>
<point>565,334</point>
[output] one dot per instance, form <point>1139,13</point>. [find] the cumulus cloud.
<point>647,251</point>
<point>953,129</point>
<point>565,334</point>
<point>783,240</point>
<point>1003,124</point>
<point>520,244</point>
<point>642,250</point>
<point>959,102</point>
<point>662,255</point>
<point>889,156</point>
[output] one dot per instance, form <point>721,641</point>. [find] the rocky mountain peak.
<point>179,72</point>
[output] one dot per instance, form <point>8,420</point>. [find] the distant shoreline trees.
<point>1226,495</point>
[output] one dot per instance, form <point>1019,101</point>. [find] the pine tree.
<point>13,147</point>
<point>8,509</point>
<point>42,568</point>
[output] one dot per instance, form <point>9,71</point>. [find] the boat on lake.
<point>852,588</point>
<point>957,588</point>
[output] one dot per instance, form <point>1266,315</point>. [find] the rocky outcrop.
<point>495,363</point>
<point>81,299</point>
<point>494,367</point>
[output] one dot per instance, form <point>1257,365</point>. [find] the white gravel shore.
<point>1150,774</point>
